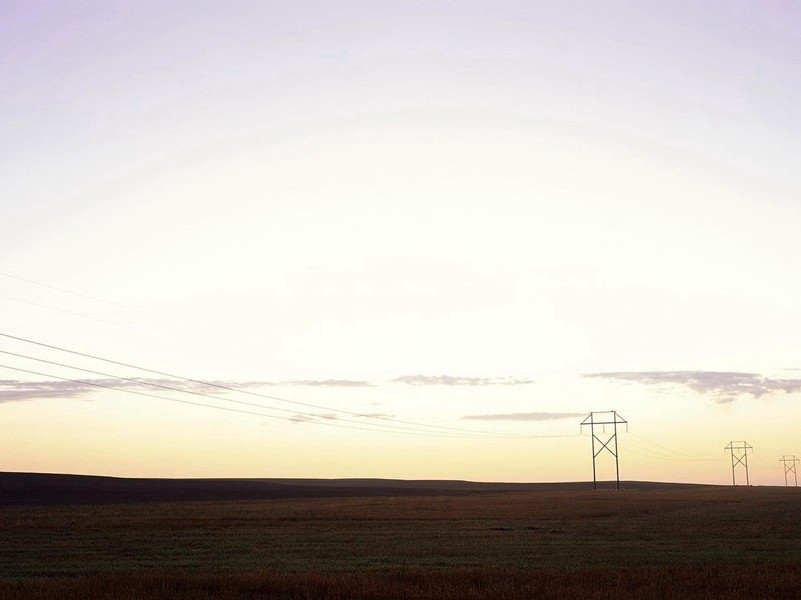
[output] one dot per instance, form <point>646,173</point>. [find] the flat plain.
<point>702,542</point>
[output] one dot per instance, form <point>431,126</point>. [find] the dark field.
<point>39,488</point>
<point>664,543</point>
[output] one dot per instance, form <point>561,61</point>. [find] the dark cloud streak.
<point>532,416</point>
<point>457,381</point>
<point>12,390</point>
<point>324,383</point>
<point>725,386</point>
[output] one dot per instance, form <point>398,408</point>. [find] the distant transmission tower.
<point>602,419</point>
<point>789,461</point>
<point>739,456</point>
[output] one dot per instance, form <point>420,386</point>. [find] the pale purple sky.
<point>438,191</point>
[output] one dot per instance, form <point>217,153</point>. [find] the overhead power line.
<point>61,310</point>
<point>138,326</point>
<point>154,384</point>
<point>73,293</point>
<point>276,398</point>
<point>364,427</point>
<point>662,457</point>
<point>645,451</point>
<point>122,325</point>
<point>677,453</point>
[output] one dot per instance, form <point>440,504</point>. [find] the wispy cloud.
<point>310,418</point>
<point>725,386</point>
<point>453,380</point>
<point>15,390</point>
<point>325,383</point>
<point>317,417</point>
<point>531,416</point>
<point>377,415</point>
<point>11,390</point>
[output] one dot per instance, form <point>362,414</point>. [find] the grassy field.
<point>668,583</point>
<point>700,542</point>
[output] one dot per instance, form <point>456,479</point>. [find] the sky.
<point>403,239</point>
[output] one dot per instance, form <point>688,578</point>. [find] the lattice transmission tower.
<point>739,456</point>
<point>789,461</point>
<point>601,419</point>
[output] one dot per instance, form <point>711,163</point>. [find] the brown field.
<point>668,583</point>
<point>695,542</point>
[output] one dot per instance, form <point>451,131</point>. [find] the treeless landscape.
<point>650,543</point>
<point>309,285</point>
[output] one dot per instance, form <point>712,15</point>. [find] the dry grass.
<point>670,583</point>
<point>692,543</point>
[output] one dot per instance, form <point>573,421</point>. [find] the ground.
<point>649,543</point>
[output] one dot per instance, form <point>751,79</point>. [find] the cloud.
<point>377,415</point>
<point>15,390</point>
<point>726,386</point>
<point>452,380</point>
<point>310,418</point>
<point>326,383</point>
<point>532,416</point>
<point>329,416</point>
<point>12,389</point>
<point>316,418</point>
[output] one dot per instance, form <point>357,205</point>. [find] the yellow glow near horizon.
<point>367,193</point>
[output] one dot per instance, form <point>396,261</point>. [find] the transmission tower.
<point>789,461</point>
<point>602,419</point>
<point>739,456</point>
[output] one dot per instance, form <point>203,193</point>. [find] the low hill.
<point>45,488</point>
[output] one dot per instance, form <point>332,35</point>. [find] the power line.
<point>663,456</point>
<point>276,398</point>
<point>61,310</point>
<point>681,454</point>
<point>211,384</point>
<point>128,325</point>
<point>646,454</point>
<point>196,393</point>
<point>366,427</point>
<point>73,293</point>
<point>87,297</point>
<point>161,317</point>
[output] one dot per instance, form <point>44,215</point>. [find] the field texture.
<point>702,542</point>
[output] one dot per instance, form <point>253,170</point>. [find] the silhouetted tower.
<point>789,461</point>
<point>739,456</point>
<point>602,419</point>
